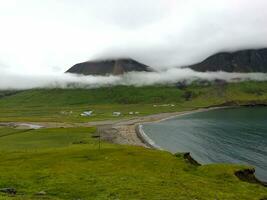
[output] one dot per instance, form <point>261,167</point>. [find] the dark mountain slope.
<point>240,61</point>
<point>105,67</point>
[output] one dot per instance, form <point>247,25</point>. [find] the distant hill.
<point>240,61</point>
<point>106,67</point>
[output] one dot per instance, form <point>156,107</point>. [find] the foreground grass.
<point>66,105</point>
<point>67,164</point>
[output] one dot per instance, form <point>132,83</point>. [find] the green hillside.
<point>66,105</point>
<point>67,164</point>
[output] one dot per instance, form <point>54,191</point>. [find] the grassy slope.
<point>48,160</point>
<point>47,105</point>
<point>56,104</point>
<point>51,160</point>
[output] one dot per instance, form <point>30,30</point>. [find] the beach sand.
<point>123,131</point>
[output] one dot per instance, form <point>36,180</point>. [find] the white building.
<point>87,113</point>
<point>116,114</point>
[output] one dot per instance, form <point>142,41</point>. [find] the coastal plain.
<point>64,159</point>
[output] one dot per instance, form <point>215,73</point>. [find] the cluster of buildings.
<point>115,114</point>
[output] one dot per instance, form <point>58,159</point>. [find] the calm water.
<point>236,135</point>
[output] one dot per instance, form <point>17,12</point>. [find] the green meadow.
<point>66,163</point>
<point>66,105</point>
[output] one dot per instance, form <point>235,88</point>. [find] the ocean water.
<point>234,135</point>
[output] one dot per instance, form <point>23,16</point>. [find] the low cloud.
<point>40,37</point>
<point>171,76</point>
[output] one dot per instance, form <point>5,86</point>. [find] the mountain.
<point>239,61</point>
<point>106,67</point>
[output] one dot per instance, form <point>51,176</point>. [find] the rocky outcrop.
<point>10,191</point>
<point>107,67</point>
<point>188,158</point>
<point>248,175</point>
<point>240,61</point>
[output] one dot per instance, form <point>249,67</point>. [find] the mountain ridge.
<point>243,61</point>
<point>251,60</point>
<point>108,67</point>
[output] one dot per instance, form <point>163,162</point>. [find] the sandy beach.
<point>130,131</point>
<point>123,131</point>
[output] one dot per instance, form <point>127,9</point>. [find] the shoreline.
<point>247,175</point>
<point>121,131</point>
<point>130,132</point>
<point>149,142</point>
<point>145,139</point>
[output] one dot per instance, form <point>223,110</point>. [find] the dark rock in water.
<point>106,67</point>
<point>248,175</point>
<point>190,159</point>
<point>11,191</point>
<point>240,61</point>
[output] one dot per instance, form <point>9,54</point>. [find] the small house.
<point>116,114</point>
<point>87,113</point>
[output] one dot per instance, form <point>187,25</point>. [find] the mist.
<point>171,76</point>
<point>47,37</point>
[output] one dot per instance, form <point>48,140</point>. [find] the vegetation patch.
<point>66,105</point>
<point>66,163</point>
<point>50,164</point>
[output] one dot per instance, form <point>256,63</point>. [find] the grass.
<point>67,164</point>
<point>16,140</point>
<point>66,105</point>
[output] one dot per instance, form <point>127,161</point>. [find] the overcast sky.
<point>49,36</point>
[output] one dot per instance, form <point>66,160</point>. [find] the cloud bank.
<point>171,76</point>
<point>44,37</point>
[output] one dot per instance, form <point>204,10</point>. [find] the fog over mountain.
<point>170,76</point>
<point>43,38</point>
<point>239,61</point>
<point>107,67</point>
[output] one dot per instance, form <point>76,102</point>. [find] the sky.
<point>42,39</point>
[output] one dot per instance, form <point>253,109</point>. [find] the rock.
<point>248,175</point>
<point>11,191</point>
<point>41,193</point>
<point>190,159</point>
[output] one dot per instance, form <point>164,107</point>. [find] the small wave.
<point>147,139</point>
